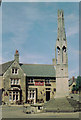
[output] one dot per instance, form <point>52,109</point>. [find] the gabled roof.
<point>5,66</point>
<point>32,70</point>
<point>39,70</point>
<point>71,81</point>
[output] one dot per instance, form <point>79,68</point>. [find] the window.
<point>14,81</point>
<point>33,93</point>
<point>47,81</point>
<point>14,71</point>
<point>14,96</point>
<point>10,96</point>
<point>47,88</point>
<point>11,81</point>
<point>30,94</point>
<point>31,80</point>
<point>17,81</point>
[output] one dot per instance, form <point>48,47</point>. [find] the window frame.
<point>15,81</point>
<point>14,71</point>
<point>47,81</point>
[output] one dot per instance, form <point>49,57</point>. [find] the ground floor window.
<point>13,96</point>
<point>31,94</point>
<point>16,95</point>
<point>31,98</point>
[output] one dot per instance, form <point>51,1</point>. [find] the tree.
<point>78,82</point>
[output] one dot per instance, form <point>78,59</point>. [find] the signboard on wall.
<point>39,83</point>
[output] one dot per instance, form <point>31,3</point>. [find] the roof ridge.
<point>37,64</point>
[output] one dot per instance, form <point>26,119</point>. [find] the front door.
<point>47,95</point>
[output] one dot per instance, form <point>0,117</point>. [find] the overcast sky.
<point>32,29</point>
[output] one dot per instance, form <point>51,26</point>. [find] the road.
<point>17,112</point>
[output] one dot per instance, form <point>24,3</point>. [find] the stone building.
<point>32,83</point>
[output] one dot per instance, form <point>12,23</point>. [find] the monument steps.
<point>58,105</point>
<point>75,104</point>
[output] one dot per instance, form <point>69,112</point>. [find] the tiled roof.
<point>32,70</point>
<point>71,81</point>
<point>39,70</point>
<point>4,67</point>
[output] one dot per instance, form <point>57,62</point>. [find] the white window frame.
<point>31,80</point>
<point>18,82</point>
<point>14,69</point>
<point>13,81</point>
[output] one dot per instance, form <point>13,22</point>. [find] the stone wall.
<point>7,81</point>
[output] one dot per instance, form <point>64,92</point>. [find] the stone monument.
<point>62,88</point>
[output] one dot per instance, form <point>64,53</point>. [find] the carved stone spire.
<point>61,43</point>
<point>61,58</point>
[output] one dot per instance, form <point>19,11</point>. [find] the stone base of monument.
<point>58,105</point>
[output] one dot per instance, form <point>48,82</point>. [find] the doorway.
<point>47,95</point>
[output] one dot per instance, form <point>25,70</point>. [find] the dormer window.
<point>14,71</point>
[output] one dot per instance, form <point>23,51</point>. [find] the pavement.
<point>17,112</point>
<point>58,105</point>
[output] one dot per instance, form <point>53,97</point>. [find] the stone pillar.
<point>62,88</point>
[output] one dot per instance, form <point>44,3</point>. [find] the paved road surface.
<point>17,112</point>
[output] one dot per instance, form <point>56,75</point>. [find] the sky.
<point>32,29</point>
<point>41,0</point>
<point>0,34</point>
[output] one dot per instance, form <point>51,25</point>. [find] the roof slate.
<point>5,66</point>
<point>39,70</point>
<point>32,70</point>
